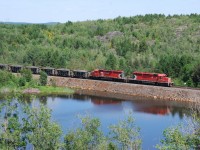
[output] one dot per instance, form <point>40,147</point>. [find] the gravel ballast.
<point>155,92</point>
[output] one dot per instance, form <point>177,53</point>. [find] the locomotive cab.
<point>164,80</point>
<point>122,75</point>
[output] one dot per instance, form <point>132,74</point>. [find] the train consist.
<point>98,74</point>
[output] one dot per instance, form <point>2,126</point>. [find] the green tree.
<point>143,46</point>
<point>26,74</point>
<point>22,81</point>
<point>126,135</point>
<point>10,131</point>
<point>173,140</point>
<point>196,76</point>
<point>111,62</point>
<point>22,125</point>
<point>88,136</point>
<point>32,56</point>
<point>43,78</point>
<point>183,137</point>
<point>122,64</point>
<point>175,65</point>
<point>7,78</point>
<point>100,31</point>
<point>44,133</point>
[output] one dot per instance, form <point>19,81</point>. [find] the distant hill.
<point>153,43</point>
<point>19,23</point>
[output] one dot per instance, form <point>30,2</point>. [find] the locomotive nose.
<point>170,83</point>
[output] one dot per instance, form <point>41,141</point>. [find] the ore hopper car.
<point>15,68</point>
<point>63,72</point>
<point>80,74</point>
<point>3,67</point>
<point>49,71</point>
<point>34,69</point>
<point>151,78</point>
<point>113,75</point>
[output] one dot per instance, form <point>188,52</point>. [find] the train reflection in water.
<point>146,106</point>
<point>140,107</point>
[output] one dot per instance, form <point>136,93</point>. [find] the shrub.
<point>7,78</point>
<point>43,78</point>
<point>22,81</point>
<point>126,135</point>
<point>196,76</point>
<point>88,136</point>
<point>185,136</point>
<point>26,74</point>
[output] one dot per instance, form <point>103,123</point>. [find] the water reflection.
<point>144,106</point>
<point>155,107</point>
<point>98,101</point>
<point>136,106</point>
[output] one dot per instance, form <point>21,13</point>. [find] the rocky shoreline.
<point>31,91</point>
<point>153,92</point>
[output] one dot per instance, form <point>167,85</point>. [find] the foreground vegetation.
<point>155,43</point>
<point>24,83</point>
<point>185,136</point>
<point>22,126</point>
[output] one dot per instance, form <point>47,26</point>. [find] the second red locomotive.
<point>114,75</point>
<point>151,78</point>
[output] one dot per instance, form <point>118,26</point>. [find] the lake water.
<point>152,116</point>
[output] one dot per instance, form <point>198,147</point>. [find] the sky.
<point>43,11</point>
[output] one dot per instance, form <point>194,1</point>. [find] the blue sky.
<point>41,11</point>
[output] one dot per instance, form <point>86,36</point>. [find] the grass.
<point>44,90</point>
<point>54,90</point>
<point>12,84</point>
<point>8,89</point>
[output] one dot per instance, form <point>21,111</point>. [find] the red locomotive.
<point>151,78</point>
<point>115,75</point>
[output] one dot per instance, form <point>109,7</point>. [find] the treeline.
<point>155,43</point>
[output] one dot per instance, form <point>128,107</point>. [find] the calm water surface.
<point>151,116</point>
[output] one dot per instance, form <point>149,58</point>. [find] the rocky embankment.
<point>155,92</point>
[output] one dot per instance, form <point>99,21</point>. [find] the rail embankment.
<point>155,92</point>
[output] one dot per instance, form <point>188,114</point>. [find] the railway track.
<point>184,87</point>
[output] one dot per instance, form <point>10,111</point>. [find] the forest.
<point>152,43</point>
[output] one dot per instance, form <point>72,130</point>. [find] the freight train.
<point>159,79</point>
